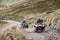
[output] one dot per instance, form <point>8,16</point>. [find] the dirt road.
<point>30,35</point>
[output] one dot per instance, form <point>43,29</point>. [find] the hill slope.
<point>31,10</point>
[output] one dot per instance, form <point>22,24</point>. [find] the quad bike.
<point>39,28</point>
<point>25,26</point>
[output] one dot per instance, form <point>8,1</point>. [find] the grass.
<point>8,2</point>
<point>12,33</point>
<point>31,14</point>
<point>48,12</point>
<point>3,23</point>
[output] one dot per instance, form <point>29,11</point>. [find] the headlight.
<point>36,25</point>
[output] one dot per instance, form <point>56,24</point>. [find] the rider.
<point>39,21</point>
<point>24,24</point>
<point>39,25</point>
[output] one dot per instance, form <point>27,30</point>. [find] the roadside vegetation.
<point>33,10</point>
<point>48,10</point>
<point>2,23</point>
<point>12,33</point>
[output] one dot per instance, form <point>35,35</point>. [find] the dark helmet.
<point>39,21</point>
<point>24,21</point>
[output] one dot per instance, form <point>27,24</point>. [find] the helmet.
<point>24,21</point>
<point>39,21</point>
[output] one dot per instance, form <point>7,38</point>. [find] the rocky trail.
<point>30,35</point>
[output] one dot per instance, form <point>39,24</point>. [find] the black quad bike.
<point>39,28</point>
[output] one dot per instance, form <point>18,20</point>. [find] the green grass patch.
<point>2,22</point>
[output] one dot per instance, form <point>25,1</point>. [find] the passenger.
<point>39,21</point>
<point>24,24</point>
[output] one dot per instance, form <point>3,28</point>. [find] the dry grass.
<point>11,33</point>
<point>32,10</point>
<point>2,23</point>
<point>51,19</point>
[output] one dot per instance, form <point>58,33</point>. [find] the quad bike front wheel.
<point>40,29</point>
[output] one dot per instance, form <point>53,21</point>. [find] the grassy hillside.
<point>33,9</point>
<point>8,2</point>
